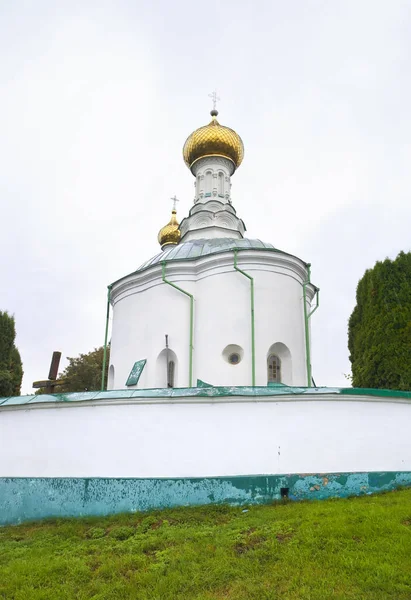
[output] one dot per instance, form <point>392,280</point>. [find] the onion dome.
<point>169,235</point>
<point>213,140</point>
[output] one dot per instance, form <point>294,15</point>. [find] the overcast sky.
<point>97,99</point>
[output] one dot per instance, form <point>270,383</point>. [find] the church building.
<point>213,307</point>
<point>210,393</point>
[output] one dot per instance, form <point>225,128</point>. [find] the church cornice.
<point>196,268</point>
<point>212,206</point>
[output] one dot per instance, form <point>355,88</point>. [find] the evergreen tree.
<point>11,369</point>
<point>16,368</point>
<point>379,329</point>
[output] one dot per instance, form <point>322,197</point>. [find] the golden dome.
<point>213,140</point>
<point>170,235</point>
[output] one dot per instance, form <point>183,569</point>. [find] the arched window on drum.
<point>221,184</point>
<point>208,183</point>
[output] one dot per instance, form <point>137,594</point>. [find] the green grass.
<point>354,548</point>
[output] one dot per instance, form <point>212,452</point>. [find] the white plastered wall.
<point>140,322</point>
<point>205,438</point>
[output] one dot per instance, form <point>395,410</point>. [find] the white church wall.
<point>223,312</point>
<point>140,322</point>
<point>280,321</point>
<point>145,309</point>
<point>206,438</point>
<point>221,320</point>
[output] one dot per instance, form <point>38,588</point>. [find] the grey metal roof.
<point>204,247</point>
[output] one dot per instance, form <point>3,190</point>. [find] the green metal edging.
<point>203,384</point>
<point>201,392</point>
<point>252,316</point>
<point>374,392</point>
<point>190,368</point>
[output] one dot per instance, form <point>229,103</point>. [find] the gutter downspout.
<point>252,317</point>
<point>190,368</point>
<point>306,318</point>
<point>103,374</point>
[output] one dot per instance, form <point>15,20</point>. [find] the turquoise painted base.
<point>24,499</point>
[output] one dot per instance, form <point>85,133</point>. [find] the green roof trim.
<point>136,372</point>
<point>200,392</point>
<point>374,392</point>
<point>203,384</point>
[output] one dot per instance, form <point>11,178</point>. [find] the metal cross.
<point>214,98</point>
<point>175,200</point>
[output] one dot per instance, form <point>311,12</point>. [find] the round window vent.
<point>233,354</point>
<point>234,358</point>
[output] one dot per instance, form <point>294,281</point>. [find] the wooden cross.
<point>175,200</point>
<point>50,383</point>
<point>214,98</point>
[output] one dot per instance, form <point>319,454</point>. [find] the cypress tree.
<point>11,369</point>
<point>379,329</point>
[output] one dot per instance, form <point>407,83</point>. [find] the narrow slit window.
<point>171,370</point>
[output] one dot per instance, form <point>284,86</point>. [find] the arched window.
<point>273,369</point>
<point>166,369</point>
<point>198,186</point>
<point>208,183</point>
<point>221,184</point>
<point>171,369</point>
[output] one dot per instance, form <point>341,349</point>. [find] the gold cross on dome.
<point>214,98</point>
<point>175,200</point>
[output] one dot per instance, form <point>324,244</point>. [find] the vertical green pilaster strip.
<point>103,374</point>
<point>190,368</point>
<point>307,334</point>
<point>252,317</point>
<point>306,319</point>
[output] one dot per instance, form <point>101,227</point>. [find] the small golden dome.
<point>213,140</point>
<point>170,235</point>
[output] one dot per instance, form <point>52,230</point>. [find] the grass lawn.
<point>354,548</point>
